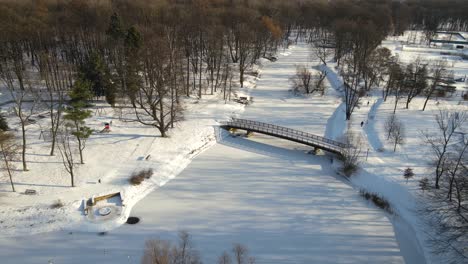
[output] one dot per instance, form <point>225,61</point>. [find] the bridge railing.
<point>294,131</point>
<point>289,133</point>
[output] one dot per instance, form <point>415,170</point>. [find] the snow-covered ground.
<point>285,205</point>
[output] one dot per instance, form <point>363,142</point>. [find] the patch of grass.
<point>138,177</point>
<point>379,201</point>
<point>57,204</point>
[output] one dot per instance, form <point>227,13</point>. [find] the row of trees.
<point>147,63</point>
<point>449,193</point>
<point>146,56</point>
<point>183,252</point>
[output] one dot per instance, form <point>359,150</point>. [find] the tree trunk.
<point>23,154</point>
<point>7,167</point>
<point>72,176</point>
<point>425,102</point>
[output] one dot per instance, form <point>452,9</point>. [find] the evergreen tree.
<point>408,174</point>
<point>76,113</point>
<point>132,46</point>
<point>98,74</point>
<point>115,29</point>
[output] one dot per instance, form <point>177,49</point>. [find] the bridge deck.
<point>286,133</point>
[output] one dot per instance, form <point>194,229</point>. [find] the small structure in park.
<point>105,207</point>
<point>452,40</point>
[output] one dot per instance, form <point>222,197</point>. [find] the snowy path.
<point>285,205</point>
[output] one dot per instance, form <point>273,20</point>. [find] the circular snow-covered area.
<point>104,211</point>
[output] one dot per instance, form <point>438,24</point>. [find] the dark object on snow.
<point>242,100</point>
<point>30,192</point>
<point>271,58</point>
<point>3,123</point>
<point>362,123</point>
<point>99,180</point>
<point>102,233</point>
<point>133,220</point>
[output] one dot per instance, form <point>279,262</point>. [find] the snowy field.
<point>285,205</point>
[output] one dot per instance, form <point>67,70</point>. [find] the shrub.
<point>379,201</point>
<point>57,204</point>
<point>465,96</point>
<point>350,155</point>
<point>138,177</point>
<point>408,174</point>
<point>424,184</point>
<point>349,168</point>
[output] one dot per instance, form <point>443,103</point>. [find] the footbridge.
<point>286,133</point>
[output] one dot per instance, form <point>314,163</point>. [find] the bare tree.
<point>13,74</point>
<point>318,83</point>
<point>240,253</point>
<point>157,252</point>
<point>225,258</point>
<point>185,252</point>
<point>438,71</point>
<point>351,154</point>
<point>55,76</point>
<point>415,80</point>
<point>390,124</point>
<point>456,174</point>
<point>397,134</point>
<point>156,100</point>
<point>9,151</point>
<point>323,48</point>
<point>67,152</point>
<point>246,51</point>
<point>424,184</point>
<point>301,81</point>
<point>351,79</point>
<point>351,96</point>
<point>447,124</point>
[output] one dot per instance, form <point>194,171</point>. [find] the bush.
<point>349,168</point>
<point>350,155</point>
<point>57,204</point>
<point>465,96</point>
<point>377,200</point>
<point>138,177</point>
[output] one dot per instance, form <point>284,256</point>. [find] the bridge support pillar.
<point>314,151</point>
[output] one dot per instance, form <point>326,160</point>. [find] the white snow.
<point>285,205</point>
